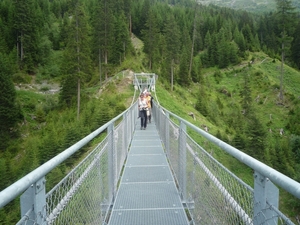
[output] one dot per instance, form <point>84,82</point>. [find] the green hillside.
<point>224,113</point>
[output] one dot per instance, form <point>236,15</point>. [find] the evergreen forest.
<point>62,66</point>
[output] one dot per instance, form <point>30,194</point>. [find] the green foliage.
<point>10,113</point>
<point>201,104</point>
<point>218,76</point>
<point>293,124</point>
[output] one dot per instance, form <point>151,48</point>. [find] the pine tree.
<point>207,40</point>
<point>150,37</point>
<point>286,23</point>
<point>222,49</point>
<point>212,51</point>
<point>3,44</point>
<point>295,147</point>
<point>247,33</point>
<point>122,43</point>
<point>296,46</point>
<point>127,11</point>
<point>239,39</point>
<point>202,102</point>
<point>10,112</point>
<point>171,33</point>
<point>77,63</point>
<point>26,24</point>
<point>184,76</point>
<point>103,33</point>
<point>256,136</point>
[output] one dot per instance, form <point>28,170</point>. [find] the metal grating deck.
<point>147,194</point>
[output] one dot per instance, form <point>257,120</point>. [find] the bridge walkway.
<point>147,193</point>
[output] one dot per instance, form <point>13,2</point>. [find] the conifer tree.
<point>202,102</point>
<point>10,112</point>
<point>184,77</point>
<point>127,11</point>
<point>121,40</point>
<point>296,46</point>
<point>212,51</point>
<point>247,33</point>
<point>150,37</point>
<point>239,39</point>
<point>171,33</point>
<point>103,27</point>
<point>286,23</point>
<point>207,40</point>
<point>27,24</point>
<point>256,135</point>
<point>77,63</point>
<point>222,49</point>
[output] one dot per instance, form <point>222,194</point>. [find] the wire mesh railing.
<point>212,194</point>
<point>85,195</point>
<point>76,198</point>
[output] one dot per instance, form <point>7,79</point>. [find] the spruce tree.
<point>150,37</point>
<point>296,46</point>
<point>286,22</point>
<point>247,33</point>
<point>171,33</point>
<point>77,62</point>
<point>10,112</point>
<point>256,135</point>
<point>184,77</point>
<point>26,24</point>
<point>103,33</point>
<point>121,39</point>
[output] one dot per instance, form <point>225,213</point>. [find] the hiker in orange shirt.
<point>149,103</point>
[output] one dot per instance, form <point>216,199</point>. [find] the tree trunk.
<point>130,26</point>
<point>100,67</point>
<point>105,61</point>
<point>172,75</point>
<point>21,47</point>
<point>105,40</point>
<point>150,62</point>
<point>78,68</point>
<point>281,71</point>
<point>78,98</point>
<point>193,43</point>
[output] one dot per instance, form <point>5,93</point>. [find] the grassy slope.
<point>265,84</point>
<point>264,87</point>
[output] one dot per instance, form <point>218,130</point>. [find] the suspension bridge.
<point>161,175</point>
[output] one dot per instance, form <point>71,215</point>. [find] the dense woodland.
<point>72,41</point>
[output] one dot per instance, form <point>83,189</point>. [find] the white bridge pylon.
<point>144,81</point>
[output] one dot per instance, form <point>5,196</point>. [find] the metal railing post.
<point>182,160</point>
<point>265,194</point>
<point>167,133</point>
<point>34,199</point>
<point>111,161</point>
<point>125,133</point>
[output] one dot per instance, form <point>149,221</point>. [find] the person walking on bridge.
<point>143,107</point>
<point>149,102</point>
